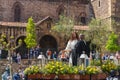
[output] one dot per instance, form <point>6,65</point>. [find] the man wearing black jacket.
<point>82,45</point>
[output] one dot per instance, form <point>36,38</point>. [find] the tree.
<point>64,26</point>
<point>112,43</point>
<point>30,39</point>
<point>98,33</point>
<point>10,47</point>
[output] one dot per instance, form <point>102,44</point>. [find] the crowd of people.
<point>17,75</point>
<point>114,57</point>
<point>76,45</point>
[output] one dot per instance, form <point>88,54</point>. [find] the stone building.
<point>15,13</point>
<point>108,10</point>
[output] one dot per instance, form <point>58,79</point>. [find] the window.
<point>99,3</point>
<point>83,20</point>
<point>61,11</point>
<point>17,13</point>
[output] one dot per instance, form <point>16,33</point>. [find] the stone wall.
<point>107,10</point>
<point>39,9</point>
<point>102,8</point>
<point>115,8</point>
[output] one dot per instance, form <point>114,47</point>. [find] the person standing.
<point>30,55</point>
<point>37,51</point>
<point>63,56</point>
<point>14,57</point>
<point>55,55</point>
<point>18,58</point>
<point>16,76</point>
<point>82,46</point>
<point>6,73</point>
<point>49,53</point>
<point>117,55</point>
<point>70,48</point>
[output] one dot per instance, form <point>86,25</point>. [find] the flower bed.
<point>55,69</point>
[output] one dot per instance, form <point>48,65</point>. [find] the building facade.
<point>15,13</point>
<point>108,10</point>
<point>21,10</point>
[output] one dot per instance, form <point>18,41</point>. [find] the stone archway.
<point>23,48</point>
<point>48,41</point>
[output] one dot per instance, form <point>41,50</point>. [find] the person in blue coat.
<point>16,76</point>
<point>6,73</point>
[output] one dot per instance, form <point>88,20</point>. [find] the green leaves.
<point>34,69</point>
<point>30,39</point>
<point>64,25</point>
<point>98,33</point>
<point>112,44</point>
<point>108,65</point>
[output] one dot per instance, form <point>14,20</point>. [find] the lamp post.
<point>42,58</point>
<point>84,59</point>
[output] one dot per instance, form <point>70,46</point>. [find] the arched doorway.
<point>48,41</point>
<point>23,48</point>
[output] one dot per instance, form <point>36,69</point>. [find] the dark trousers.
<point>74,58</point>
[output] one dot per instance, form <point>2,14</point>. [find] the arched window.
<point>61,11</point>
<point>83,18</point>
<point>17,13</point>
